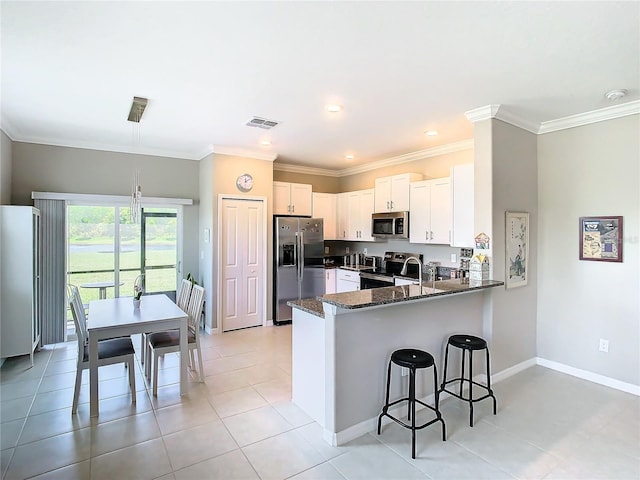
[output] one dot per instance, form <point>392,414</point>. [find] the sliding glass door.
<point>159,250</point>
<point>106,251</point>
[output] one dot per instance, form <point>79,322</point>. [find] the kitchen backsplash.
<point>430,253</point>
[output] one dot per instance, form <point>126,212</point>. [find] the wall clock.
<point>244,182</point>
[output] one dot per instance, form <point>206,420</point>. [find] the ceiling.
<point>71,69</point>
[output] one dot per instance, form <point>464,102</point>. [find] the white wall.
<point>587,171</point>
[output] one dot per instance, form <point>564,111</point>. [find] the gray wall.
<point>5,168</point>
<point>587,171</point>
<point>514,187</point>
<point>506,180</point>
<point>47,168</point>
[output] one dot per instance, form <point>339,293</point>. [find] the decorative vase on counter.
<point>136,303</point>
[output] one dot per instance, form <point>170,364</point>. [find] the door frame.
<point>222,197</point>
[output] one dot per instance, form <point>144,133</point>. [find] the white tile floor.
<point>240,424</point>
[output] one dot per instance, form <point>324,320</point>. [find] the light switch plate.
<point>454,258</point>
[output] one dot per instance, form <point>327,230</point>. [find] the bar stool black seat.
<point>468,343</point>
<point>412,359</point>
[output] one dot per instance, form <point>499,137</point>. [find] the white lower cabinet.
<point>347,281</point>
<point>330,280</point>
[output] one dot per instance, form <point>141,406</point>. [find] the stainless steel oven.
<point>384,277</point>
<point>372,280</point>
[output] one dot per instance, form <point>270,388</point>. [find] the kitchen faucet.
<point>404,268</point>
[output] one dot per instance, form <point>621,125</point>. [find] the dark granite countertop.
<point>309,305</point>
<point>386,295</point>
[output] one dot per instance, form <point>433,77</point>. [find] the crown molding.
<point>511,118</point>
<point>243,152</point>
<point>482,113</point>
<point>8,129</point>
<point>287,167</point>
<point>410,157</point>
<point>105,147</point>
<point>407,157</point>
<point>607,113</point>
<point>499,112</point>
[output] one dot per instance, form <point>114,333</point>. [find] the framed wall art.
<point>601,239</point>
<point>517,249</point>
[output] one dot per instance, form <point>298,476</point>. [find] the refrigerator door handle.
<point>301,262</point>
<point>296,256</point>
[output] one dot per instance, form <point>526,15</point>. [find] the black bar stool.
<point>468,343</point>
<point>412,359</point>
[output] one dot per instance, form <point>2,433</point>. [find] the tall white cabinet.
<point>325,207</point>
<point>430,212</point>
<point>20,281</point>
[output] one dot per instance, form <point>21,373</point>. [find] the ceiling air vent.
<point>262,123</point>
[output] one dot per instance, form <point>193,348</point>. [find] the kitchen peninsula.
<point>342,342</point>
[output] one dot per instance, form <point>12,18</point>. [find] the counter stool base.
<point>468,343</point>
<point>404,358</point>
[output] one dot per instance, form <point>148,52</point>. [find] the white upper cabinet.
<point>392,193</point>
<point>325,207</point>
<point>430,217</point>
<point>462,205</point>
<point>292,198</point>
<point>354,215</point>
<point>342,222</point>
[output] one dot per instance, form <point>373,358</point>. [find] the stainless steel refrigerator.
<point>299,263</point>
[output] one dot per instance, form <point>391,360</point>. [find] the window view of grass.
<point>92,250</point>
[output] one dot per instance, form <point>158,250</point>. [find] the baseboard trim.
<point>590,376</point>
<point>371,424</point>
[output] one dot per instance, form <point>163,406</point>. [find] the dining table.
<point>117,317</point>
<point>102,286</point>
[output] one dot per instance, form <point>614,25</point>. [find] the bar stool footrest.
<point>385,413</point>
<point>461,397</point>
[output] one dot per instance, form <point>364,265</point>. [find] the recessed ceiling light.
<point>431,133</point>
<point>265,143</point>
<point>334,108</point>
<point>349,157</point>
<point>614,95</point>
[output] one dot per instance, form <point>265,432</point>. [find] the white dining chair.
<point>166,342</point>
<point>110,351</point>
<point>182,300</point>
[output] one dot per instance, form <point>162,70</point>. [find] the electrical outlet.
<point>604,345</point>
<point>404,371</point>
<point>326,250</point>
<point>364,250</point>
<point>346,249</point>
<point>453,258</point>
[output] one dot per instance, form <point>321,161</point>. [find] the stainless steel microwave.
<point>390,225</point>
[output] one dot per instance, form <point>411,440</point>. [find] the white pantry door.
<point>243,264</point>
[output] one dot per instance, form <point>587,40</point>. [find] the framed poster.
<point>601,239</point>
<point>517,249</point>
